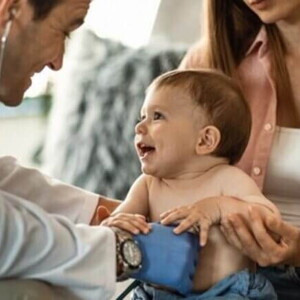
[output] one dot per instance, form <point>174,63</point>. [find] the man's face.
<point>33,45</point>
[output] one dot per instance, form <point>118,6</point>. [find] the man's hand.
<point>101,214</point>
<point>266,239</point>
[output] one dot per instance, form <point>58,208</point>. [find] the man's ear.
<point>8,10</point>
<point>208,140</point>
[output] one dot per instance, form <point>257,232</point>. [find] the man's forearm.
<point>53,196</point>
<point>37,245</point>
<point>109,203</point>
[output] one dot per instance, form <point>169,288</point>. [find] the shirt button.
<point>256,171</point>
<point>268,127</point>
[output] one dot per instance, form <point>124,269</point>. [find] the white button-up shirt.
<point>39,240</point>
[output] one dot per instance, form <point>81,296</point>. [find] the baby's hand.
<point>199,216</point>
<point>134,223</point>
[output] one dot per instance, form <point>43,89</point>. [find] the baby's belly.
<point>218,260</point>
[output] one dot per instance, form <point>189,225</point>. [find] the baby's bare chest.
<point>163,197</point>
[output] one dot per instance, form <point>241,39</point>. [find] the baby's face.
<point>167,134</point>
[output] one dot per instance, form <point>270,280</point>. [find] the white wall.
<point>177,21</point>
<point>20,137</point>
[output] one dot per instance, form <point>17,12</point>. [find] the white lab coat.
<point>39,240</point>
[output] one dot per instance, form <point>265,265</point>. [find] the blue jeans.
<point>240,286</point>
<point>286,281</point>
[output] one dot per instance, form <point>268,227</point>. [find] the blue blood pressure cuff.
<point>169,259</point>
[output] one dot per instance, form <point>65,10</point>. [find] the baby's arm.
<point>131,214</point>
<point>238,190</point>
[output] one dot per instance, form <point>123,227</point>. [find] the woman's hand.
<point>266,239</point>
<point>199,216</point>
<point>133,223</point>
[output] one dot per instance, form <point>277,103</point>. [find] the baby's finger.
<point>173,211</point>
<point>125,226</point>
<point>107,222</point>
<point>184,225</point>
<point>136,221</point>
<point>142,225</point>
<point>166,213</point>
<point>174,216</point>
<point>204,229</point>
<point>140,216</point>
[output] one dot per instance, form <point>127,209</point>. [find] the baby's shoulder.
<point>229,172</point>
<point>150,181</point>
<point>234,181</point>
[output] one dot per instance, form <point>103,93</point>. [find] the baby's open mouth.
<point>144,149</point>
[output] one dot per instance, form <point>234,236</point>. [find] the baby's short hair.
<point>221,98</point>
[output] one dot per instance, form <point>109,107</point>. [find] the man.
<point>40,234</point>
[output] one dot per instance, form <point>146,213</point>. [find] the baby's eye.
<point>158,116</point>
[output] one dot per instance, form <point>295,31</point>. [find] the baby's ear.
<point>208,140</point>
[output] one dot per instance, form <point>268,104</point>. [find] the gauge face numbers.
<point>131,253</point>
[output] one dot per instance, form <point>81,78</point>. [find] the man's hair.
<point>43,7</point>
<point>223,102</point>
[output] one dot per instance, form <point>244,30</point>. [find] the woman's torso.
<point>282,182</point>
<point>273,154</point>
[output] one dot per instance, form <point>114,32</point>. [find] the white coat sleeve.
<point>37,245</point>
<point>50,194</point>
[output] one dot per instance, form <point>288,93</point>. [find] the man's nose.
<point>57,61</point>
<point>56,64</point>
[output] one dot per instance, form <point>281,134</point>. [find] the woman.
<point>257,43</point>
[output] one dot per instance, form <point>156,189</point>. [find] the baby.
<point>194,126</point>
